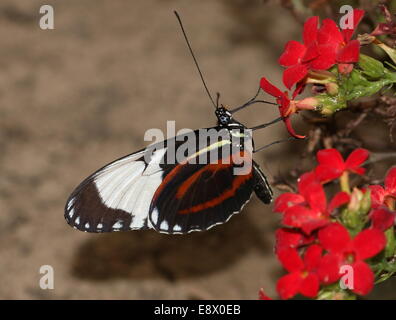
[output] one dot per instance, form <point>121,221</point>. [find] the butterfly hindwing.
<point>195,197</point>
<point>261,186</point>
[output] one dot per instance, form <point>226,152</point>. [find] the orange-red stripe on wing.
<point>236,183</point>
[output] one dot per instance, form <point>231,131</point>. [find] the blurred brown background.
<point>83,94</point>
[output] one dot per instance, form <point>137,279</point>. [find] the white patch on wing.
<point>77,222</point>
<point>155,160</point>
<point>129,185</point>
<point>177,228</point>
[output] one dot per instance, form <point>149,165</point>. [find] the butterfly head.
<point>224,116</point>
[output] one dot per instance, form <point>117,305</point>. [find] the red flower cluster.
<point>321,49</point>
<point>313,246</point>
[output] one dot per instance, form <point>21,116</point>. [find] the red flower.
<point>342,250</point>
<point>385,196</point>
<point>332,165</point>
<point>287,107</point>
<point>291,238</point>
<point>317,213</point>
<point>302,277</point>
<point>308,210</point>
<point>337,45</point>
<point>289,199</point>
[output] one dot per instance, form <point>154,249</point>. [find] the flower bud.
<point>332,88</point>
<point>310,103</point>
<point>371,67</point>
<point>329,104</point>
<point>320,76</point>
<point>355,201</point>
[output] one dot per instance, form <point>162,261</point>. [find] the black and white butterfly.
<point>145,191</point>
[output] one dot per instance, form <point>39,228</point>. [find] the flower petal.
<point>368,243</point>
<point>290,129</point>
<point>334,238</point>
<point>287,200</point>
<point>363,278</point>
<point>390,180</point>
<point>326,58</point>
<point>311,53</point>
<point>290,259</point>
<point>330,157</point>
<point>306,219</point>
<point>292,54</point>
<point>310,30</point>
<point>329,33</point>
<point>316,197</point>
<point>294,74</point>
<point>356,159</point>
<point>349,53</point>
<point>289,285</point>
<point>310,286</point>
<point>329,268</point>
<point>291,238</point>
<point>338,200</point>
<point>327,173</point>
<point>382,218</point>
<point>312,257</point>
<point>270,88</point>
<point>377,194</point>
<point>357,17</point>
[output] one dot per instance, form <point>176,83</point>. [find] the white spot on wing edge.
<point>117,225</point>
<point>164,225</point>
<point>71,202</point>
<point>87,225</point>
<point>71,213</point>
<point>210,227</point>
<point>154,216</point>
<point>77,221</point>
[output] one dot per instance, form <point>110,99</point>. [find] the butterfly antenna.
<point>275,142</point>
<point>264,125</point>
<point>195,59</point>
<point>252,101</point>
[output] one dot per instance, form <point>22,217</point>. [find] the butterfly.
<point>145,190</point>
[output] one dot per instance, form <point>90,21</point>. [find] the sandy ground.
<point>79,96</point>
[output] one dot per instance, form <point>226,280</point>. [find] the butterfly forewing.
<point>116,197</point>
